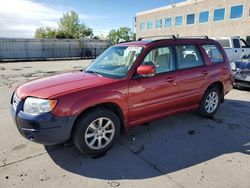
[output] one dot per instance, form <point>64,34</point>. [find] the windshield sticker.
<point>134,48</point>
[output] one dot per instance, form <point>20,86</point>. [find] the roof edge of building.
<point>184,3</point>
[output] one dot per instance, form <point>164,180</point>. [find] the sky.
<point>20,18</point>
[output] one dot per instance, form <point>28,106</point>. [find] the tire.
<point>91,138</point>
<point>209,107</point>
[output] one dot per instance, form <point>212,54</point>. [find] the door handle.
<point>225,69</point>
<point>170,79</point>
<point>204,72</point>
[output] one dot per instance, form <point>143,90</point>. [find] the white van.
<point>235,47</point>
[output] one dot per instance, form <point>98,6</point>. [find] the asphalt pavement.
<point>184,150</point>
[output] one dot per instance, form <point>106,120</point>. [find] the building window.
<point>236,12</point>
<point>190,19</point>
<point>159,23</point>
<point>178,20</point>
<point>168,22</point>
<point>204,17</point>
<point>142,26</point>
<point>150,25</point>
<point>219,14</point>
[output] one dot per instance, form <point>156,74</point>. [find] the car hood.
<point>52,86</point>
<point>244,64</point>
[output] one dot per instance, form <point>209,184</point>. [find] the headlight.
<point>38,106</point>
<point>233,66</point>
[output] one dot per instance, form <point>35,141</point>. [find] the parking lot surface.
<point>184,150</point>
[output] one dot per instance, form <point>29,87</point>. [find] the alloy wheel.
<point>99,133</point>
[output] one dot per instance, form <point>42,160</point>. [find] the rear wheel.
<point>210,102</point>
<point>96,131</point>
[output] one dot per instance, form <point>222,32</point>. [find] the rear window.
<point>214,53</point>
<point>225,43</point>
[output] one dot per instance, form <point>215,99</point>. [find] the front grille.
<point>15,101</point>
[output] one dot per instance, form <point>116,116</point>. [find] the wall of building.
<point>228,27</point>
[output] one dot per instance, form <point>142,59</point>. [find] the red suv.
<point>129,84</point>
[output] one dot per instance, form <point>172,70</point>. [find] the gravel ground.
<point>184,150</point>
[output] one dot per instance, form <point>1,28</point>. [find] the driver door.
<point>153,97</point>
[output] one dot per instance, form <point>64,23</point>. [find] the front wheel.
<point>96,131</point>
<point>210,102</point>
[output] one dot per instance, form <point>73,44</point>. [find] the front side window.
<point>159,23</point>
<point>243,43</point>
<point>188,56</point>
<point>213,53</point>
<point>168,22</point>
<point>115,62</point>
<point>219,14</point>
<point>178,21</point>
<point>150,25</point>
<point>236,12</point>
<point>142,26</point>
<point>190,19</point>
<point>161,58</point>
<point>204,17</point>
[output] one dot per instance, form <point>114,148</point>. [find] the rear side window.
<point>188,56</point>
<point>225,43</point>
<point>213,53</point>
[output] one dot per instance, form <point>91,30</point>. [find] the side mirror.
<point>146,70</point>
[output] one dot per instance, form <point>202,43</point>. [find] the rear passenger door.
<point>192,74</point>
<point>219,68</point>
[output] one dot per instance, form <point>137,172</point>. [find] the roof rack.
<point>194,37</point>
<point>158,37</point>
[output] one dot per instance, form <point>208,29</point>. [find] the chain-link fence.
<point>42,49</point>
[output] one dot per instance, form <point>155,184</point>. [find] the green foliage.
<point>123,33</point>
<point>45,32</point>
<point>69,27</point>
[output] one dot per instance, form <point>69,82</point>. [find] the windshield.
<point>115,62</point>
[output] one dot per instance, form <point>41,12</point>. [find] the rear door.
<point>192,74</point>
<point>219,68</point>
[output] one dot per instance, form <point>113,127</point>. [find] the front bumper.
<point>46,129</point>
<point>242,81</point>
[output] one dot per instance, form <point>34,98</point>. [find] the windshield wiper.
<point>94,72</point>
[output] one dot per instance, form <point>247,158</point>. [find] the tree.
<point>123,33</point>
<point>69,27</point>
<point>45,32</point>
<point>113,36</point>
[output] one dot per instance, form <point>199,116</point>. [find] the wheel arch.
<point>220,86</point>
<point>113,107</point>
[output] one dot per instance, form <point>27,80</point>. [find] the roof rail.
<point>158,37</point>
<point>194,37</point>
